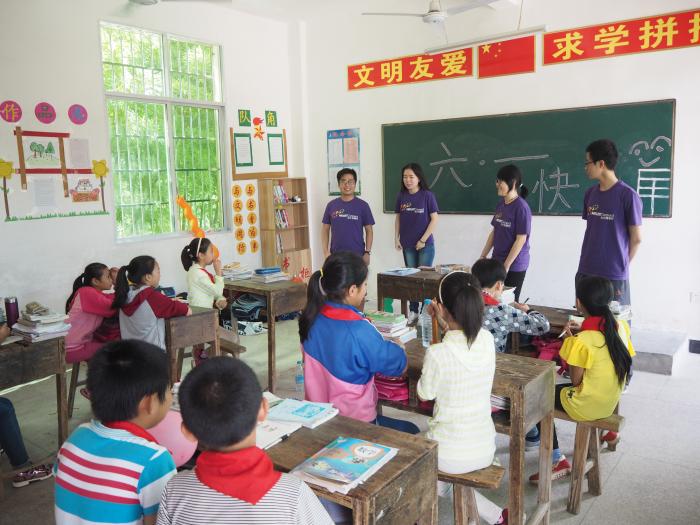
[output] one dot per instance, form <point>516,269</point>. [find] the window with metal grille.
<point>164,110</point>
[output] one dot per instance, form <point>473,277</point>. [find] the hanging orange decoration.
<point>250,189</point>
<point>238,220</point>
<point>241,248</point>
<point>238,205</point>
<point>250,204</point>
<point>240,234</point>
<point>252,218</point>
<point>194,223</point>
<point>254,246</point>
<point>252,232</point>
<point>236,191</point>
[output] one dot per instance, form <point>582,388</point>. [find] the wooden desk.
<point>189,330</point>
<point>22,362</point>
<point>415,287</point>
<point>529,384</point>
<point>403,491</point>
<point>282,297</point>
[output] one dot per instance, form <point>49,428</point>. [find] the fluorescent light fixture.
<point>489,38</point>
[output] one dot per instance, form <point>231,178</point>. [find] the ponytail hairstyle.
<point>513,178</point>
<point>415,168</point>
<point>134,273</point>
<point>595,294</point>
<point>192,250</point>
<point>460,293</point>
<point>340,271</point>
<point>92,271</point>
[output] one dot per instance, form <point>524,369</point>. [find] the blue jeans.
<point>396,424</point>
<point>413,258</point>
<point>10,435</point>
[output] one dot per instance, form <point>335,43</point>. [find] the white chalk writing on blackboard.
<point>642,146</point>
<point>450,160</point>
<point>526,157</point>
<point>557,188</point>
<point>654,184</point>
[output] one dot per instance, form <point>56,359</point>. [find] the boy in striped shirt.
<point>234,481</point>
<point>111,470</point>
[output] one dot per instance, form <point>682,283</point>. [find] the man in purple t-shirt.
<point>613,214</point>
<point>345,218</point>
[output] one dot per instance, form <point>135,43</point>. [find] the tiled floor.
<point>653,478</point>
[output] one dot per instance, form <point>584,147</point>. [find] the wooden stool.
<point>465,510</point>
<point>587,447</point>
<point>74,384</point>
<point>228,343</point>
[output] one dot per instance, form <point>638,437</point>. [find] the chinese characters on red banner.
<point>419,68</point>
<point>621,38</point>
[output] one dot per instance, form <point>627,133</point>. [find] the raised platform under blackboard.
<point>461,156</point>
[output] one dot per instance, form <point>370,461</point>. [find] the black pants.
<point>516,280</point>
<point>557,406</point>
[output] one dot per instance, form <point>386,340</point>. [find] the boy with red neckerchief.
<point>234,481</point>
<point>111,470</point>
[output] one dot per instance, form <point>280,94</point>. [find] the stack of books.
<point>40,327</point>
<point>282,219</point>
<point>269,275</point>
<point>344,464</point>
<point>236,272</point>
<point>305,413</point>
<point>279,194</point>
<point>391,325</point>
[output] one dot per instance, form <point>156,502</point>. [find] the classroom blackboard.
<point>460,157</point>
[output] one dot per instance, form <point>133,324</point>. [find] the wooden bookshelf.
<point>284,225</point>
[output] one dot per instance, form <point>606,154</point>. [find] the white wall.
<point>50,51</point>
<point>666,269</point>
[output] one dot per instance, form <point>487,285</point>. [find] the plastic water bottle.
<point>299,380</point>
<point>426,325</point>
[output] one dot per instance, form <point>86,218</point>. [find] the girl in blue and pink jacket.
<point>342,349</point>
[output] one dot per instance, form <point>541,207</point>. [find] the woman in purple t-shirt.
<point>417,216</point>
<point>510,235</point>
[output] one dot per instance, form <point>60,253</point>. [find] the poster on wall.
<point>258,144</point>
<point>51,176</point>
<point>343,146</point>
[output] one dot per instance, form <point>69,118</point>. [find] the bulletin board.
<point>258,145</point>
<point>51,176</point>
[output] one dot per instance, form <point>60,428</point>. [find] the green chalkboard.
<point>461,156</point>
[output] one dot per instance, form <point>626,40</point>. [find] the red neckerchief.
<point>211,277</point>
<point>488,300</point>
<point>246,474</point>
<point>341,314</point>
<point>133,428</point>
<point>595,322</point>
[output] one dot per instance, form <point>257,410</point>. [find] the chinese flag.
<point>507,57</point>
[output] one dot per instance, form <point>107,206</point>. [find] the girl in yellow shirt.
<point>599,359</point>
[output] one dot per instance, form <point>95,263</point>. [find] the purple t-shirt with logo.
<point>608,214</point>
<point>347,220</point>
<point>511,220</point>
<point>414,216</point>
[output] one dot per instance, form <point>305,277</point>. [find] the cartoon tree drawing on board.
<point>5,173</point>
<point>100,169</point>
<point>49,149</point>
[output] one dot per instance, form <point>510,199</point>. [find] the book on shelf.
<point>268,433</point>
<point>306,413</point>
<point>344,464</point>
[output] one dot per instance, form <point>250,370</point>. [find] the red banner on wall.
<point>653,33</point>
<point>507,57</point>
<point>406,70</point>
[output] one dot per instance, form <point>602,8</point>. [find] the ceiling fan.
<point>436,14</point>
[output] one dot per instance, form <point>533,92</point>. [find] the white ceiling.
<point>304,9</point>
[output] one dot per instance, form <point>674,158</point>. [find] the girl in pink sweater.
<point>88,307</point>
